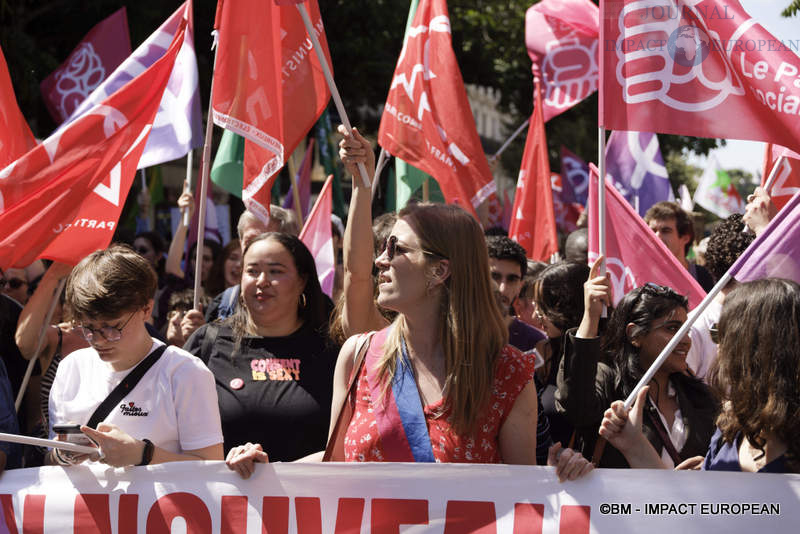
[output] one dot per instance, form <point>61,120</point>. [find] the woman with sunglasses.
<point>171,413</point>
<point>680,412</point>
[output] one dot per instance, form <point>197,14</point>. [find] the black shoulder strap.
<point>124,387</point>
<point>209,339</point>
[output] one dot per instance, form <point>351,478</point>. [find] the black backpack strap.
<point>209,339</point>
<point>124,387</point>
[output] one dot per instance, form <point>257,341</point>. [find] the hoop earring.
<point>303,300</point>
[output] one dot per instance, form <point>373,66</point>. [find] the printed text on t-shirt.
<point>275,368</point>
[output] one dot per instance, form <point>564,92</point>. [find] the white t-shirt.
<point>703,351</point>
<point>174,405</point>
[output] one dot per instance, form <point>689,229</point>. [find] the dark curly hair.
<point>504,248</point>
<point>725,244</point>
<point>558,292</point>
<point>758,365</point>
<point>642,307</point>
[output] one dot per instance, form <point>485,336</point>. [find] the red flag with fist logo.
<point>696,67</point>
<point>562,39</point>
<point>533,222</point>
<point>427,120</point>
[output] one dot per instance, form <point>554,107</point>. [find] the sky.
<point>749,155</point>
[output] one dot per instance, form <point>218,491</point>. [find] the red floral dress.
<point>513,372</point>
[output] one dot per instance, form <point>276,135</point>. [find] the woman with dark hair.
<point>680,412</point>
<point>558,295</point>
<point>150,246</point>
<point>226,270</point>
<point>272,360</point>
<point>757,375</point>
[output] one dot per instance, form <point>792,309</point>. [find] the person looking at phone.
<point>167,413</point>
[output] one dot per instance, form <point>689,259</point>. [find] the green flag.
<point>228,168</point>
<point>327,156</point>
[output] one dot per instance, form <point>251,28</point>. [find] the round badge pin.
<point>237,383</point>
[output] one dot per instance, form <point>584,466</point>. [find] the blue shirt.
<point>724,456</point>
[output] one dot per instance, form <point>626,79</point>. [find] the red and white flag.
<point>634,254</point>
<point>567,213</point>
<point>533,222</point>
<point>562,39</point>
<point>268,86</point>
<point>96,56</point>
<point>427,120</point>
<point>16,137</point>
<point>787,182</point>
<point>318,237</point>
<point>696,67</point>
<point>62,199</point>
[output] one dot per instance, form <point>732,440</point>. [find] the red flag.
<point>268,87</point>
<point>533,223</point>
<point>15,134</point>
<point>62,199</point>
<point>562,37</point>
<point>318,237</point>
<point>495,211</point>
<point>696,67</point>
<point>96,56</point>
<point>427,120</point>
<point>634,255</point>
<point>787,182</point>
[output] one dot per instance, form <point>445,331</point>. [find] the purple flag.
<point>634,162</point>
<point>104,47</point>
<point>776,252</point>
<point>303,183</point>
<point>574,178</point>
<point>177,127</point>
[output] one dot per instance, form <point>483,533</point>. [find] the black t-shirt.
<point>285,388</point>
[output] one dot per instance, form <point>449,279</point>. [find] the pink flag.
<point>562,38</point>
<point>317,236</point>
<point>787,182</point>
<point>101,51</point>
<point>63,198</point>
<point>696,67</point>
<point>634,255</point>
<point>15,134</point>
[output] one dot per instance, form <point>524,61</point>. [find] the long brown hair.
<point>758,365</point>
<point>471,329</point>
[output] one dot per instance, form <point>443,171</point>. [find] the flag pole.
<point>295,190</point>
<point>187,184</point>
<point>601,195</point>
<point>205,166</point>
<point>326,70</point>
<point>39,343</point>
<point>773,175</point>
<point>382,159</point>
<point>509,141</point>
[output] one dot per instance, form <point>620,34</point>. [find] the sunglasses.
<point>13,283</point>
<point>109,333</point>
<point>713,331</point>
<point>392,248</point>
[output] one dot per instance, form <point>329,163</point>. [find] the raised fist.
<point>569,71</point>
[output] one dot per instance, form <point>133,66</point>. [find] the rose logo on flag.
<point>622,278</point>
<point>666,59</point>
<point>83,74</point>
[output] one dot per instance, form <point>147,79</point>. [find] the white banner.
<point>199,498</point>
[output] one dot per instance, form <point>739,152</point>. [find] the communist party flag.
<point>533,222</point>
<point>696,67</point>
<point>268,86</point>
<point>427,120</point>
<point>63,198</point>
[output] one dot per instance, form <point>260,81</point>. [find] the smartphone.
<point>72,433</point>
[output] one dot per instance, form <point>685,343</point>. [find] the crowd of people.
<point>443,344</point>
